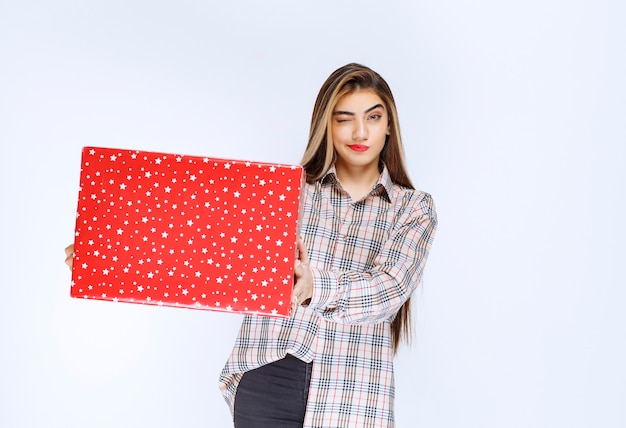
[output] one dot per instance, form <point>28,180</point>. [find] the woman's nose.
<point>360,130</point>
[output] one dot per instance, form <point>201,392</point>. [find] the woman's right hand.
<point>303,288</point>
<point>69,255</point>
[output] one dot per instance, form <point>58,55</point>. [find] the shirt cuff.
<point>327,289</point>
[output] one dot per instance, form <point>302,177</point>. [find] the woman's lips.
<point>358,147</point>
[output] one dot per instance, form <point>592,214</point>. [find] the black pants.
<point>274,395</point>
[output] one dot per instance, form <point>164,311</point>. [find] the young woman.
<point>366,234</point>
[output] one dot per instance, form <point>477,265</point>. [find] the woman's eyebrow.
<point>375,107</point>
<point>349,113</point>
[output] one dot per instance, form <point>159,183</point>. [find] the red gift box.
<point>186,231</point>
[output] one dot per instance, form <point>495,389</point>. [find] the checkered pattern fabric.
<point>367,257</point>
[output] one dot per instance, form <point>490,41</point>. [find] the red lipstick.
<point>358,147</point>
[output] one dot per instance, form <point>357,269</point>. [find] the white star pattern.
<point>169,230</point>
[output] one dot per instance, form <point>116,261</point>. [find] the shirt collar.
<point>383,186</point>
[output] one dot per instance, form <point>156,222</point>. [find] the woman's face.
<point>360,125</point>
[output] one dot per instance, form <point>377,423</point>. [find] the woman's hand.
<point>303,288</point>
<point>69,255</point>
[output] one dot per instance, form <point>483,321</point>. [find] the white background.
<point>514,118</point>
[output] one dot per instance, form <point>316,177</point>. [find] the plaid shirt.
<point>366,258</point>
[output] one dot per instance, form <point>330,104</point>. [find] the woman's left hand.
<point>303,288</point>
<point>69,255</point>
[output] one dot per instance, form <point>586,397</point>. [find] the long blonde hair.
<point>319,154</point>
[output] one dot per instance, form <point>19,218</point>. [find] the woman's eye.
<point>375,116</point>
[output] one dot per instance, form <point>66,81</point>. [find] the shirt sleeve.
<point>377,294</point>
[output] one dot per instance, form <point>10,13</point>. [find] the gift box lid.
<point>186,231</point>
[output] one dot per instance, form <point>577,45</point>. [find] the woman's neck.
<point>357,181</point>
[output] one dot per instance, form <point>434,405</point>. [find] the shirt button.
<point>345,237</point>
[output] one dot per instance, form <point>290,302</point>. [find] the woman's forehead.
<point>359,100</point>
